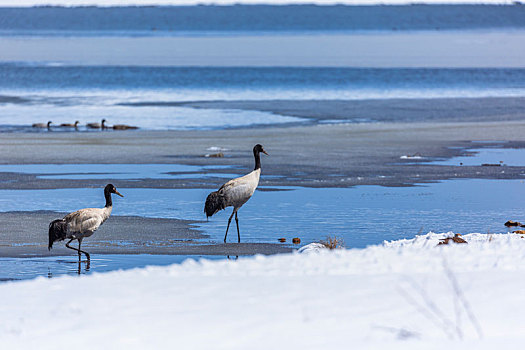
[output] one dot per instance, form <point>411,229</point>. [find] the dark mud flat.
<point>340,155</point>
<point>24,234</point>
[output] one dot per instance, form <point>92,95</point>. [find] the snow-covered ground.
<point>406,294</point>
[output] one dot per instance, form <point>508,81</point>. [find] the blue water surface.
<point>362,215</point>
<point>176,20</point>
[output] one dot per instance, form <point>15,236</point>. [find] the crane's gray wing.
<point>84,220</point>
<point>237,193</point>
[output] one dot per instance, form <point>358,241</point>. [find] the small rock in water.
<point>282,240</point>
<point>296,240</point>
<point>511,223</point>
<point>215,155</point>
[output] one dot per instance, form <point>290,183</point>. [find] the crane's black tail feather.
<point>57,231</point>
<point>214,203</point>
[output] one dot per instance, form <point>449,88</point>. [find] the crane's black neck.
<point>257,156</point>
<point>107,194</point>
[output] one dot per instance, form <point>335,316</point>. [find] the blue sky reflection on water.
<point>505,157</point>
<point>26,268</point>
<point>362,215</point>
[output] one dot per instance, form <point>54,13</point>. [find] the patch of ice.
<point>216,149</point>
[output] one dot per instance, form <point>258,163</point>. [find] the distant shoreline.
<point>230,16</point>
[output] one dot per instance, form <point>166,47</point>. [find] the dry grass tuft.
<point>333,242</point>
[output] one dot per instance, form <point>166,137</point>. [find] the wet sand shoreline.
<point>336,155</point>
<point>119,235</point>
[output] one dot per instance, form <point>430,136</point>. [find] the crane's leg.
<point>70,247</point>
<point>229,221</point>
<point>238,233</point>
<point>82,251</point>
<point>78,250</point>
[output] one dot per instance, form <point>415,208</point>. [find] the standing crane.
<point>81,223</point>
<point>235,192</point>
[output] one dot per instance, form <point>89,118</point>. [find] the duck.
<point>124,127</point>
<point>235,192</point>
<point>101,125</point>
<point>43,125</point>
<point>69,125</point>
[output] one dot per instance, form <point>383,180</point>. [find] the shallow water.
<point>20,269</point>
<point>501,156</point>
<point>362,215</point>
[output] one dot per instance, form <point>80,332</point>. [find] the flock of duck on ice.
<point>102,126</point>
<point>84,222</point>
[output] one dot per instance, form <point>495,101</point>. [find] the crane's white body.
<point>237,191</point>
<point>84,222</point>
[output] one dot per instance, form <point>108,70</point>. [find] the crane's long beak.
<point>117,193</point>
<point>263,151</point>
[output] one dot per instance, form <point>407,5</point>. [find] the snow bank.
<point>401,294</point>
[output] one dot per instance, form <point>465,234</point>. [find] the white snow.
<point>407,294</point>
<point>312,248</point>
<point>216,149</point>
<point>411,157</point>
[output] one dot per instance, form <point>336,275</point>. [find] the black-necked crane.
<point>81,223</point>
<point>101,125</point>
<point>43,125</point>
<point>69,125</point>
<point>235,192</point>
